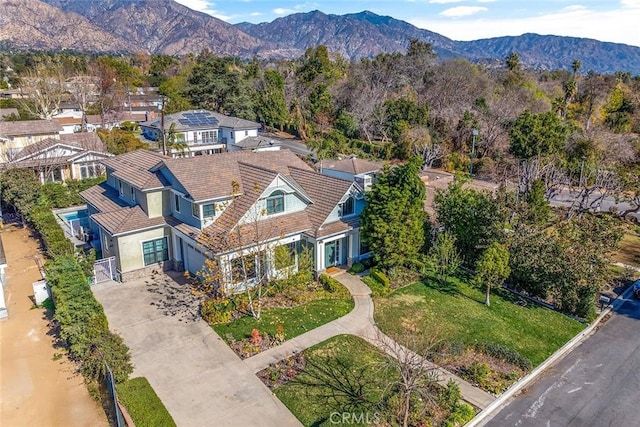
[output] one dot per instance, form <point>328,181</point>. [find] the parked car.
<point>636,289</point>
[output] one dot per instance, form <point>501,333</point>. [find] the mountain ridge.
<point>168,27</point>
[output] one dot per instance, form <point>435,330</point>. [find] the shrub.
<point>449,396</point>
<point>478,373</point>
<point>356,268</point>
<point>504,353</point>
<point>330,284</point>
<point>377,289</point>
<point>380,277</point>
<point>52,235</point>
<point>460,416</point>
<point>216,310</point>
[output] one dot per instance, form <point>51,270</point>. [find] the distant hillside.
<point>167,27</point>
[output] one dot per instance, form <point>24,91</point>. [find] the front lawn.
<point>347,381</point>
<point>458,314</point>
<point>143,404</point>
<point>294,321</point>
<point>629,251</point>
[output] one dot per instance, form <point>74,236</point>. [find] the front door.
<point>331,251</point>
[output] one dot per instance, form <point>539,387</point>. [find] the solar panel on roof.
<point>184,122</point>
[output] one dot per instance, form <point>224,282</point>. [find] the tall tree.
<point>393,221</point>
<point>534,135</point>
<point>20,189</point>
<point>43,90</point>
<point>493,268</point>
<point>271,105</point>
<point>444,255</point>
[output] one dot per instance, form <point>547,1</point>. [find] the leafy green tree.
<point>271,105</point>
<point>476,219</point>
<point>538,209</point>
<point>493,268</point>
<point>120,141</point>
<point>535,135</point>
<point>444,255</point>
<point>393,220</point>
<point>20,189</point>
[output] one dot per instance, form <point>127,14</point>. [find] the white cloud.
<point>444,1</point>
<point>255,14</point>
<point>283,11</point>
<point>458,11</point>
<point>204,6</point>
<point>633,4</point>
<point>617,25</point>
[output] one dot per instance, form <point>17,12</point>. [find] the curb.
<point>487,413</point>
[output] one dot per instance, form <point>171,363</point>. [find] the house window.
<point>120,188</point>
<point>176,202</point>
<point>348,207</point>
<point>195,210</point>
<point>89,170</point>
<point>209,137</point>
<point>275,202</point>
<point>155,251</point>
<point>133,194</point>
<point>209,211</point>
<point>246,133</point>
<point>54,175</point>
<point>243,268</point>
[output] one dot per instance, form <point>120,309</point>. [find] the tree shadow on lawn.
<point>449,288</point>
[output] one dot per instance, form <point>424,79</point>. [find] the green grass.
<point>296,320</point>
<point>308,403</point>
<point>143,404</point>
<point>629,252</point>
<point>458,313</point>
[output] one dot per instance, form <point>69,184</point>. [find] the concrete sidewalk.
<point>360,322</point>
<point>201,381</point>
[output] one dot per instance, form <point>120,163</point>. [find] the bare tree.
<point>83,90</point>
<point>43,90</point>
<point>596,186</point>
<point>422,145</point>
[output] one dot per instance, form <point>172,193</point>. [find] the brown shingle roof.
<point>125,220</point>
<point>83,141</point>
<point>210,177</point>
<point>353,165</point>
<point>326,191</point>
<point>104,198</point>
<point>135,168</point>
<point>5,112</point>
<point>29,127</point>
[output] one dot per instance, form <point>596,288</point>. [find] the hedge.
<point>52,236</point>
<point>83,324</point>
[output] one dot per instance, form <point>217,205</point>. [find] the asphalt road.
<point>565,198</point>
<point>597,384</point>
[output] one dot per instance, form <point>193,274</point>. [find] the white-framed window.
<point>133,194</point>
<point>54,175</point>
<point>154,251</point>
<point>209,137</point>
<point>195,210</point>
<point>120,188</point>
<point>176,202</point>
<point>209,210</point>
<point>348,207</point>
<point>275,202</point>
<point>90,170</point>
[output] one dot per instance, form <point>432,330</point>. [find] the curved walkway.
<point>360,322</point>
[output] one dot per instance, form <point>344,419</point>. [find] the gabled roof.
<point>104,198</point>
<point>326,191</point>
<point>185,120</point>
<point>135,168</point>
<point>29,127</point>
<point>210,177</point>
<point>5,112</point>
<point>353,165</point>
<point>251,142</point>
<point>75,141</point>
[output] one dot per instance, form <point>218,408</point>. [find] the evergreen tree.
<point>393,222</point>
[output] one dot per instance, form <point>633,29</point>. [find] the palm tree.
<point>172,142</point>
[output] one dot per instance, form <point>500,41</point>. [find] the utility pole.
<point>164,138</point>
<point>473,150</point>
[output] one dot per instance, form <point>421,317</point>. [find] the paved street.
<point>595,385</point>
<point>566,198</point>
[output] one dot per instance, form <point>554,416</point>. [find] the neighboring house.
<point>3,266</point>
<point>201,132</point>
<point>159,212</point>
<point>72,156</point>
<point>364,172</point>
<point>15,136</point>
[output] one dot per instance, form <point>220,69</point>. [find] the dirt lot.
<point>35,390</point>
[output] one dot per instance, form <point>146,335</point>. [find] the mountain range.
<point>167,27</point>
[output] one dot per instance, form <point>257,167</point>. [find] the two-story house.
<point>200,132</point>
<point>173,213</point>
<point>15,136</point>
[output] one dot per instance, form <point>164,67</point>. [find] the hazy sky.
<point>605,20</point>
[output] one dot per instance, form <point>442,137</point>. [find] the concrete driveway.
<point>199,378</point>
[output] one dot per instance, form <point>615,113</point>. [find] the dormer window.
<point>176,203</point>
<point>275,202</point>
<point>348,207</point>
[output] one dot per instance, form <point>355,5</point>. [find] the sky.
<point>605,20</point>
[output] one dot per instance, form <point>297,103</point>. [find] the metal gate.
<point>105,269</point>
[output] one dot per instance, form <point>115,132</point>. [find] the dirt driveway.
<point>35,390</point>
